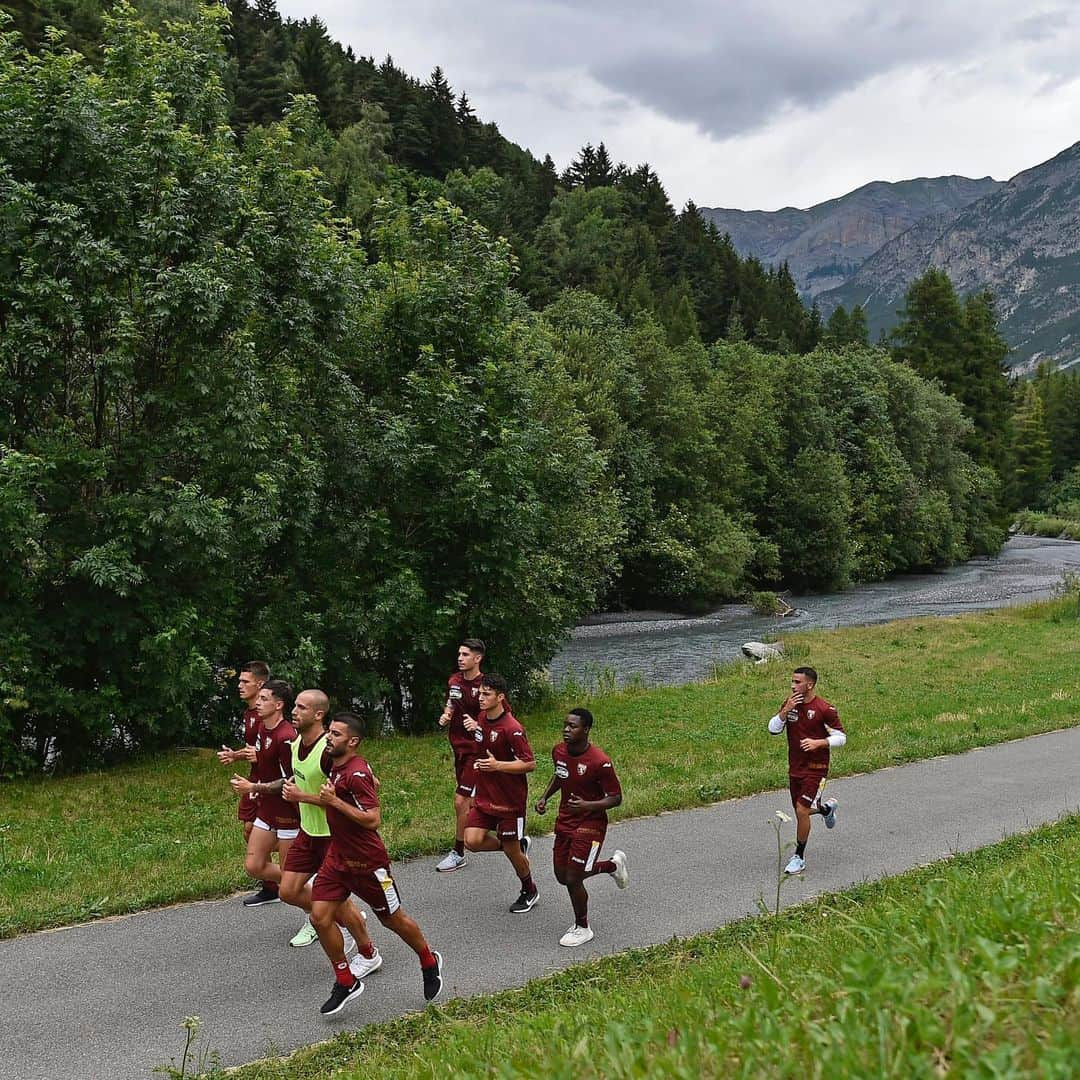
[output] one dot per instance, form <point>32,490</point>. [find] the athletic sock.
<point>604,866</point>
<point>527,884</point>
<point>366,951</point>
<point>459,847</point>
<point>270,886</point>
<point>800,848</point>
<point>428,960</point>
<point>343,974</point>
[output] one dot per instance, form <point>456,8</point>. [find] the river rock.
<point>760,652</point>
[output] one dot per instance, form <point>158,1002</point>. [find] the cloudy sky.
<point>758,105</point>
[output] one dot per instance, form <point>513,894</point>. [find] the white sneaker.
<point>620,873</point>
<point>452,861</point>
<point>306,935</point>
<point>361,966</point>
<point>575,936</point>
<point>796,865</point>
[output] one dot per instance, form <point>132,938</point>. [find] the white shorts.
<point>282,834</point>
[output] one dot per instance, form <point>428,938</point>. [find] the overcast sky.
<point>758,105</point>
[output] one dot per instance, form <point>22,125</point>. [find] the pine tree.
<point>1031,458</point>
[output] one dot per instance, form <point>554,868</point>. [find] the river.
<point>656,647</point>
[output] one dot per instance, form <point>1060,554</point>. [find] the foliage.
<point>223,428</point>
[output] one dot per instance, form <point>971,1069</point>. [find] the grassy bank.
<point>969,967</point>
<point>1036,523</point>
<point>163,831</point>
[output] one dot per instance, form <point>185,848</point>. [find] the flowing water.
<point>659,647</point>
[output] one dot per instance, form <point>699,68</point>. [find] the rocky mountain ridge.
<point>1021,241</point>
<point>826,244</point>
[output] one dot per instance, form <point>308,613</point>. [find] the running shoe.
<point>340,996</point>
<point>796,865</point>
<point>576,935</point>
<point>263,896</point>
<point>525,902</point>
<point>830,813</point>
<point>452,861</point>
<point>433,979</point>
<point>362,966</point>
<point>306,935</point>
<point>620,873</point>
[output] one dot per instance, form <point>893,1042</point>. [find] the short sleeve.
<point>609,781</point>
<point>519,744</point>
<point>832,719</point>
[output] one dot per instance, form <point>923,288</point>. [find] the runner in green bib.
<point>309,718</point>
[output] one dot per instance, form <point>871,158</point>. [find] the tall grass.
<point>969,967</point>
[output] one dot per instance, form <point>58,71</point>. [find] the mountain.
<point>1022,242</point>
<point>826,244</point>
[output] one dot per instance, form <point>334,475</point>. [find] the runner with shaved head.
<point>307,851</point>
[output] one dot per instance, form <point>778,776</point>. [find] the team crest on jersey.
<point>582,768</point>
<point>561,771</point>
<point>809,714</point>
<point>494,736</point>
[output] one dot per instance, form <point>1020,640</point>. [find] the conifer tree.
<point>1030,458</point>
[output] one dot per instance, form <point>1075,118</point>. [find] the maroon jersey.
<point>464,697</point>
<point>497,793</point>
<point>252,724</point>
<point>590,776</point>
<point>273,761</point>
<point>352,845</point>
<point>810,723</point>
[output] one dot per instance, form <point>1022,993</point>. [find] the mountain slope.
<point>826,244</point>
<point>1022,242</point>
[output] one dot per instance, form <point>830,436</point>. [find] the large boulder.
<point>761,653</point>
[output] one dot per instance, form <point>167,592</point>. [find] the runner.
<point>305,854</point>
<point>462,700</point>
<point>276,821</point>
<point>813,729</point>
<point>356,862</point>
<point>586,777</point>
<point>248,684</point>
<point>502,787</point>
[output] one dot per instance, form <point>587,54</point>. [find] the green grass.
<point>162,831</point>
<point>969,967</point>
<point>1035,523</point>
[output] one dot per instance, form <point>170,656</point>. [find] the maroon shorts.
<point>247,809</point>
<point>306,854</point>
<point>465,773</point>
<point>579,849</point>
<point>375,886</point>
<point>506,828</point>
<point>804,789</point>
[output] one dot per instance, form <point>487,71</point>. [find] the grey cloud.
<point>738,77</point>
<point>1043,26</point>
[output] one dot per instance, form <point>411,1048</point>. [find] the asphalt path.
<point>106,999</point>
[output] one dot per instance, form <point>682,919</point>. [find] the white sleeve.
<point>776,725</point>
<point>836,738</point>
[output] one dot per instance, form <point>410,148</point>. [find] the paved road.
<point>105,1000</point>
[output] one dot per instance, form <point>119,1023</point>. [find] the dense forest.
<point>300,359</point>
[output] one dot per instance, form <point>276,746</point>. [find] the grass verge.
<point>161,831</point>
<point>1036,523</point>
<point>968,967</point>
